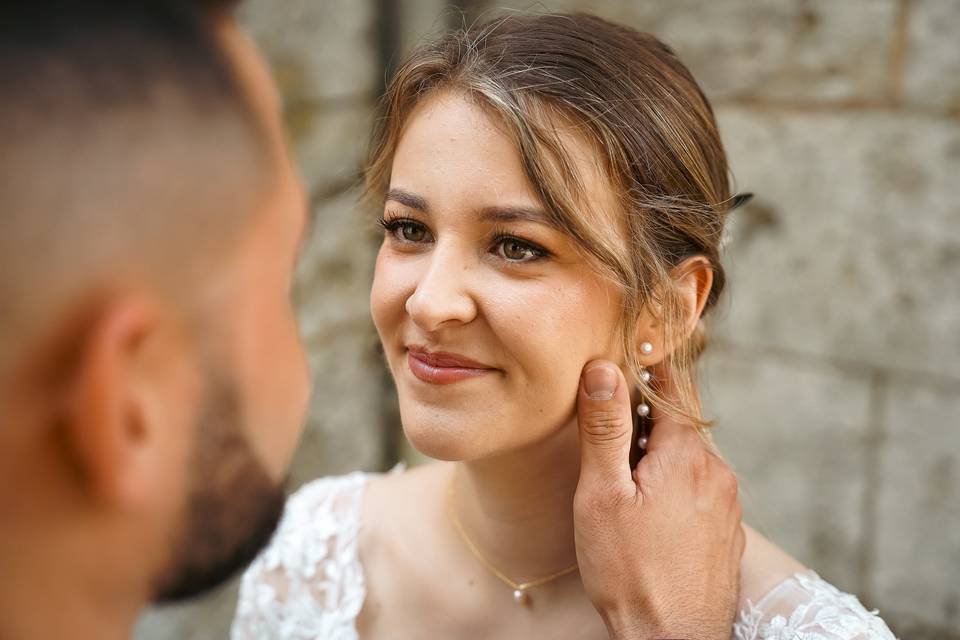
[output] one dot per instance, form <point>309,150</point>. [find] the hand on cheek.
<point>659,545</point>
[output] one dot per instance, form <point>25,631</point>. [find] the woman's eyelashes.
<point>514,249</point>
<point>406,230</point>
<point>504,245</point>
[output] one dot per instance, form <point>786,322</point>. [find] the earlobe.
<point>103,426</point>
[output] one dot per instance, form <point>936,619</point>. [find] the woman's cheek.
<point>540,325</point>
<point>386,294</point>
<point>390,278</point>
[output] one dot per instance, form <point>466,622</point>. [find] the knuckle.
<point>602,425</point>
<point>598,505</point>
<point>728,482</point>
<point>738,511</point>
<point>699,460</point>
<point>587,503</point>
<point>650,469</point>
<point>644,474</point>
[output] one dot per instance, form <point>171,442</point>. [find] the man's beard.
<point>233,507</point>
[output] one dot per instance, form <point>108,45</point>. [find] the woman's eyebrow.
<point>514,214</point>
<point>494,213</point>
<point>408,199</point>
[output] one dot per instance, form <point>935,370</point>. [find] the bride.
<point>553,190</point>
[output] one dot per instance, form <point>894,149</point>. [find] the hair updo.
<point>649,123</point>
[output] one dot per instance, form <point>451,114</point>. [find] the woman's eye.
<point>406,230</point>
<point>411,232</point>
<point>515,250</point>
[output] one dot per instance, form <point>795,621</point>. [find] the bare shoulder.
<point>764,566</point>
<point>399,546</point>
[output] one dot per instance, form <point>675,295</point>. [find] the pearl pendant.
<point>519,596</point>
<point>642,442</point>
<point>645,375</point>
<point>643,410</point>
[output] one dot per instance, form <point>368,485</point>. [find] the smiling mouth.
<point>443,368</point>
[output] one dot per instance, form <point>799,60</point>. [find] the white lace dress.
<point>309,585</point>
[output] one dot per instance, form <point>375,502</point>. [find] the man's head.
<point>152,381</point>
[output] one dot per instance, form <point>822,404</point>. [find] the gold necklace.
<point>519,588</point>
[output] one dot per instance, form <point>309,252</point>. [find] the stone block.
<point>851,249</point>
<point>794,433</point>
<point>317,50</point>
<point>817,50</point>
<point>345,429</point>
<point>932,70</point>
<point>917,570</point>
<point>345,425</point>
<point>424,19</point>
<point>330,142</point>
<point>336,269</point>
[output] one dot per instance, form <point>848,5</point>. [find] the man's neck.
<point>49,591</point>
<point>518,508</point>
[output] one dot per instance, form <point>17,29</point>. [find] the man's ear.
<point>103,423</point>
<point>693,279</point>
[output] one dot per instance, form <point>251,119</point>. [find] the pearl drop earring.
<point>643,409</point>
<point>646,348</point>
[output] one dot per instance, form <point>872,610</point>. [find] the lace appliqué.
<point>806,607</point>
<point>308,584</point>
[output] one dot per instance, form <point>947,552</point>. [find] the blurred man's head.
<point>152,381</point>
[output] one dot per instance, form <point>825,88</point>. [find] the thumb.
<point>606,425</point>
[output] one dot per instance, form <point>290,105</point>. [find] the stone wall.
<point>835,371</point>
<point>833,375</point>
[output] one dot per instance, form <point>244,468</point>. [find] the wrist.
<point>625,627</point>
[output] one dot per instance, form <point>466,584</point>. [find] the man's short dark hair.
<point>126,133</point>
<point>113,47</point>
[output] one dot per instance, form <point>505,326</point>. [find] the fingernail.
<point>600,382</point>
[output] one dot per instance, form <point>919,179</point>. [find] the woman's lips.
<point>443,368</point>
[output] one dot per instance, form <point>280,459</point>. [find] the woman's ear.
<point>693,279</point>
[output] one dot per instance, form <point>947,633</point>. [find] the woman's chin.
<point>445,446</point>
<point>452,440</point>
<point>451,434</point>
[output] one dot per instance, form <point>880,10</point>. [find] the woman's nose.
<point>442,296</point>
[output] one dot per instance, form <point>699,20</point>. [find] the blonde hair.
<point>651,127</point>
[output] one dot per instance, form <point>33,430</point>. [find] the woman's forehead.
<point>459,147</point>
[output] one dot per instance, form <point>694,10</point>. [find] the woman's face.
<point>487,313</point>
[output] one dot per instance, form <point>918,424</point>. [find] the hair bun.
<point>739,200</point>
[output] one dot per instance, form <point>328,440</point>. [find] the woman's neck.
<point>518,508</point>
